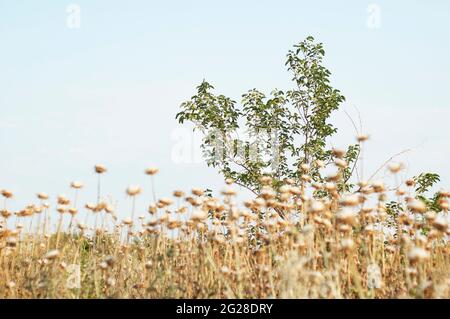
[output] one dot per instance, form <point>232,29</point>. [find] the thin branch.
<point>387,162</point>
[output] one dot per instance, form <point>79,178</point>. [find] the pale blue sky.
<point>108,91</point>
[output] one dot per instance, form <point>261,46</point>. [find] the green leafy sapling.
<point>272,135</point>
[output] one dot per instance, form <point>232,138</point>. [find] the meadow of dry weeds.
<point>283,244</point>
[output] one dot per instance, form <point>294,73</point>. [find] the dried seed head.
<point>229,181</point>
<point>347,244</point>
<point>199,215</point>
<point>134,190</point>
<point>346,216</point>
<point>340,163</point>
<point>289,181</point>
<point>378,186</point>
<point>52,254</point>
<point>110,282</point>
<point>320,164</point>
<point>362,137</point>
<point>338,153</point>
<point>430,216</point>
<point>110,261</point>
<point>305,167</point>
<point>267,192</point>
<point>197,191</point>
<point>410,182</point>
<point>10,284</point>
<point>317,206</point>
<point>444,204</point>
<point>350,200</point>
<point>61,209</point>
<point>6,193</point>
<point>417,254</point>
<point>329,186</point>
<point>229,191</point>
<point>128,221</point>
<point>90,206</point>
<point>63,200</point>
<point>42,196</point>
<point>152,209</point>
<point>151,171</point>
<point>441,224</point>
<point>109,209</point>
<point>100,169</point>
<point>417,206</point>
<point>165,201</point>
<point>395,167</point>
<point>265,180</point>
<point>76,185</point>
<point>5,213</point>
<point>178,193</point>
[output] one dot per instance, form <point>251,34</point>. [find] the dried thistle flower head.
<point>100,169</point>
<point>289,181</point>
<point>133,190</point>
<point>109,209</point>
<point>5,213</point>
<point>417,206</point>
<point>152,209</point>
<point>52,254</point>
<point>178,193</point>
<point>151,171</point>
<point>76,185</point>
<point>128,221</point>
<point>110,261</point>
<point>346,216</point>
<point>394,168</point>
<point>410,182</point>
<point>199,215</point>
<point>197,191</point>
<point>339,153</point>
<point>229,181</point>
<point>265,180</point>
<point>229,191</point>
<point>400,192</point>
<point>350,200</point>
<point>6,193</point>
<point>304,167</point>
<point>418,254</point>
<point>61,209</point>
<point>378,186</point>
<point>42,196</point>
<point>347,244</point>
<point>444,204</point>
<point>63,200</point>
<point>320,164</point>
<point>90,206</point>
<point>441,224</point>
<point>10,285</point>
<point>317,206</point>
<point>362,137</point>
<point>268,193</point>
<point>165,201</point>
<point>340,163</point>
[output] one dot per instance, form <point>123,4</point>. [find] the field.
<point>283,244</point>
